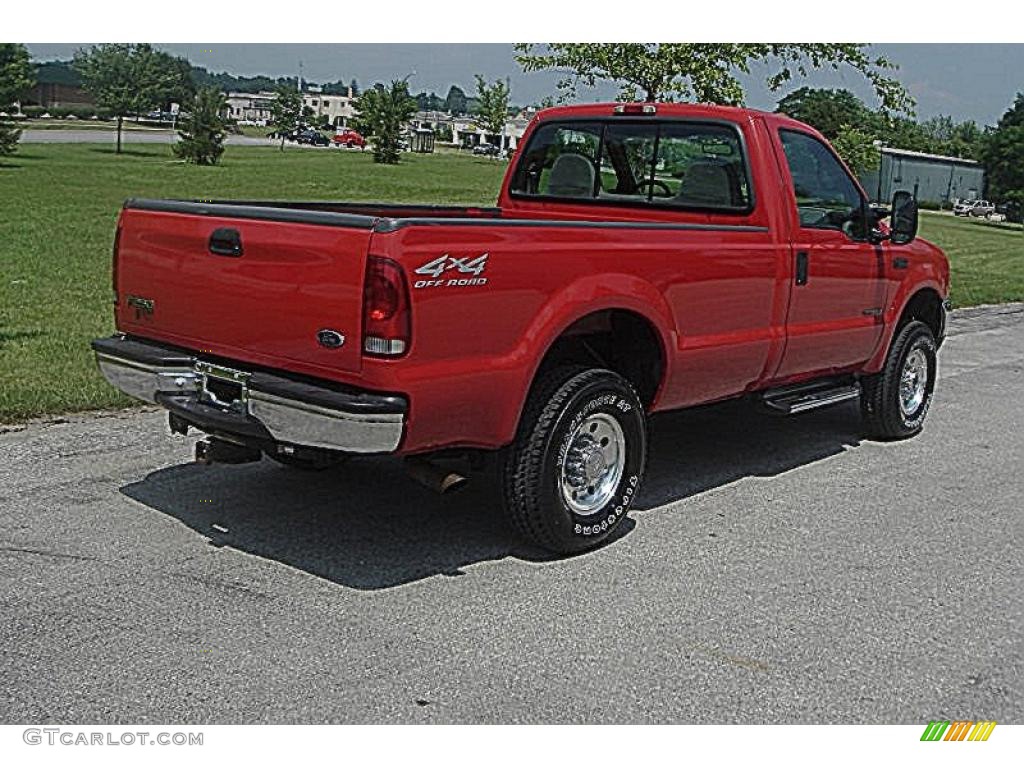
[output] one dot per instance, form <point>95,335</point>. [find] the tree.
<point>704,72</point>
<point>354,85</point>
<point>953,139</point>
<point>128,79</point>
<point>828,110</point>
<point>904,133</point>
<point>857,148</point>
<point>429,102</point>
<point>182,89</point>
<point>455,102</point>
<point>492,108</point>
<point>335,88</point>
<point>15,79</point>
<point>1003,156</point>
<point>382,113</point>
<point>286,112</point>
<point>201,135</point>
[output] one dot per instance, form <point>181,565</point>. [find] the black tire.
<point>881,406</point>
<point>559,405</point>
<point>305,463</point>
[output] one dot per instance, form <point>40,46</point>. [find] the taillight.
<point>386,321</point>
<point>114,260</point>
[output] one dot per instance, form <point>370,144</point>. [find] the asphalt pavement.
<point>774,570</point>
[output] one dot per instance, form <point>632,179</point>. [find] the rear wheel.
<point>575,467</point>
<point>895,401</point>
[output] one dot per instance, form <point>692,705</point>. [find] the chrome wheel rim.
<point>913,382</point>
<point>593,464</point>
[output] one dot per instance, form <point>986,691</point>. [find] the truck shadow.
<point>368,526</point>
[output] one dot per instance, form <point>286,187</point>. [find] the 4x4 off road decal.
<point>440,270</point>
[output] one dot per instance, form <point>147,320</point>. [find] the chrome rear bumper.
<point>261,406</point>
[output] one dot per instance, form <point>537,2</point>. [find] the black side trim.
<point>249,211</point>
<point>391,225</point>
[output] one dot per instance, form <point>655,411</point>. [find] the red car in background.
<point>349,138</point>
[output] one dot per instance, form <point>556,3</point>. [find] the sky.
<point>966,81</point>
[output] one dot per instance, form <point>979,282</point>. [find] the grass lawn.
<point>987,261</point>
<point>59,204</point>
<point>58,208</point>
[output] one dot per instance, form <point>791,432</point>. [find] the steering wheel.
<point>663,188</point>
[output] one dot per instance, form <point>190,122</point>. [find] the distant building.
<point>57,85</point>
<point>250,107</point>
<point>330,108</point>
<point>257,107</point>
<point>57,95</point>
<point>937,180</point>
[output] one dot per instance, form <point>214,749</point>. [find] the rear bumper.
<point>272,408</point>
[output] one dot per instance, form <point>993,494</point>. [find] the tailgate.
<point>243,287</point>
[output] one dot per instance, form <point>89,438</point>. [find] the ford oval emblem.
<point>330,339</point>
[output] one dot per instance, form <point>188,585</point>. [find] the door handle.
<point>226,242</point>
<point>801,268</point>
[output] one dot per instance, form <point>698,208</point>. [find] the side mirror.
<point>903,223</point>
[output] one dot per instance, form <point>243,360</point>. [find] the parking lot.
<point>774,570</point>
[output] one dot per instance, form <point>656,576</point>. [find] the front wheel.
<point>895,401</point>
<point>575,467</point>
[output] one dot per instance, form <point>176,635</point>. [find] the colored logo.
<point>330,338</point>
<point>958,730</point>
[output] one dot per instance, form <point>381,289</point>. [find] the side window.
<point>826,197</point>
<point>700,166</point>
<point>561,161</point>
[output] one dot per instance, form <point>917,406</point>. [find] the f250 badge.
<point>439,270</point>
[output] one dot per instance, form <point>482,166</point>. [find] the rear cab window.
<point>689,165</point>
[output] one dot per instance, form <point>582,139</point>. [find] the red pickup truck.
<point>641,258</point>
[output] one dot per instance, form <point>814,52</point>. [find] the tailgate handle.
<point>226,242</point>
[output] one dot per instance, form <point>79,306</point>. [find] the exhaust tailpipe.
<point>433,476</point>
<point>214,451</point>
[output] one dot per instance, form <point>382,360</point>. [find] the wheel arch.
<point>924,303</point>
<point>600,334</point>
